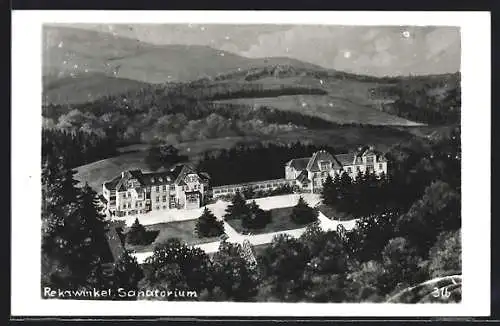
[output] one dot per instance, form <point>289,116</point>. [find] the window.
<point>157,188</point>
<point>380,167</point>
<point>324,165</point>
<point>164,207</point>
<point>157,199</point>
<point>129,205</point>
<point>349,170</point>
<point>136,205</point>
<point>164,199</point>
<point>164,188</point>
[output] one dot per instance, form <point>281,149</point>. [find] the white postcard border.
<point>26,166</point>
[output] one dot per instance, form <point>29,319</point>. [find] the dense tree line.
<point>74,245</point>
<point>260,162</point>
<point>433,101</point>
<point>77,147</point>
<point>414,237</point>
<point>163,156</point>
<point>412,167</point>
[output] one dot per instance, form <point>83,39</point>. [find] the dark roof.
<point>322,155</point>
<point>204,176</point>
<point>158,178</point>
<point>174,175</point>
<point>113,183</point>
<point>299,164</point>
<point>348,159</point>
<point>303,177</point>
<point>101,198</point>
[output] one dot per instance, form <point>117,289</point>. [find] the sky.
<point>373,50</point>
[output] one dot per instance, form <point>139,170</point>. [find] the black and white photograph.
<point>262,162</point>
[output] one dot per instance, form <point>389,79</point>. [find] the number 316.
<point>443,293</point>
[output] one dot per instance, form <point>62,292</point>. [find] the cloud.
<point>380,50</point>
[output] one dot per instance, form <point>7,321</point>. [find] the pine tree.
<point>208,226</point>
<point>237,209</point>
<point>257,218</point>
<point>137,235</point>
<point>302,213</point>
<point>328,192</point>
<point>346,193</point>
<point>72,230</point>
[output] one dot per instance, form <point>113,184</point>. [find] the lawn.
<point>183,230</point>
<point>280,221</point>
<point>333,214</point>
<point>335,108</point>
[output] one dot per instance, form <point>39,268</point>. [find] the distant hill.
<point>71,50</point>
<point>84,87</point>
<point>81,65</point>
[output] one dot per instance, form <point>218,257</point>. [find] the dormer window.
<point>160,179</point>
<point>325,165</point>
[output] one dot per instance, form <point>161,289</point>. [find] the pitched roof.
<point>113,183</point>
<point>303,177</point>
<point>349,158</point>
<point>158,178</point>
<point>174,175</point>
<point>298,163</point>
<point>322,155</point>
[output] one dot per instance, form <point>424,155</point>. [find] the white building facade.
<point>311,172</point>
<point>134,192</point>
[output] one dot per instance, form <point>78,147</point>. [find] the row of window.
<point>233,190</point>
<point>163,199</point>
<point>164,188</point>
<point>195,187</point>
<point>129,205</point>
<point>349,170</point>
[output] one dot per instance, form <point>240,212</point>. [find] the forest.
<point>434,101</point>
<point>390,249</point>
<point>254,163</point>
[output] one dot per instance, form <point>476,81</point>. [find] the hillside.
<point>85,65</point>
<point>70,50</point>
<point>84,87</point>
